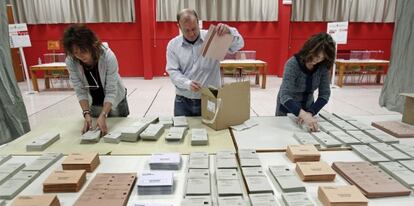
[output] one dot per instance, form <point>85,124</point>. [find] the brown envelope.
<point>36,200</point>
<point>302,153</point>
<point>79,161</point>
<point>348,195</point>
<point>65,181</point>
<point>315,171</point>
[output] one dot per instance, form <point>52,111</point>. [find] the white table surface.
<point>275,133</point>
<point>122,164</point>
<point>54,64</point>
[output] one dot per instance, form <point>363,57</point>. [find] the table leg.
<point>379,74</point>
<point>34,80</point>
<point>47,80</point>
<point>257,78</point>
<point>264,76</point>
<point>341,75</point>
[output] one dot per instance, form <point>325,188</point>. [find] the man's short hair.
<point>186,11</point>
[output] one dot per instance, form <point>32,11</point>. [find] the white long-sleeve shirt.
<point>185,63</point>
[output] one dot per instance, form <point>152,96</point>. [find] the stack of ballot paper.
<point>131,133</point>
<point>215,46</point>
<point>198,182</point>
<point>65,181</point>
<point>228,182</point>
<point>43,162</point>
<point>91,136</point>
<point>112,137</point>
<point>199,137</point>
<point>18,182</point>
<point>341,195</point>
<point>199,160</point>
<point>176,133</point>
<point>43,200</point>
<point>166,121</point>
<point>165,161</point>
<point>287,180</point>
<point>152,132</point>
<point>249,158</point>
<point>42,142</point>
<point>108,189</point>
<point>155,183</point>
<point>315,171</point>
<point>197,201</point>
<point>84,161</point>
<point>302,153</point>
<point>226,160</point>
<point>256,180</point>
<point>180,121</point>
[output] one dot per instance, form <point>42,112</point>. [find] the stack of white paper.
<point>165,161</point>
<point>155,183</point>
<point>42,142</point>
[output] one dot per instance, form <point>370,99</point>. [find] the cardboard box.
<point>341,195</point>
<point>227,106</point>
<point>408,114</point>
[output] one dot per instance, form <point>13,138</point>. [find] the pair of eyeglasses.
<point>93,87</point>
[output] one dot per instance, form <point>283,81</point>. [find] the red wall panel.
<point>273,41</point>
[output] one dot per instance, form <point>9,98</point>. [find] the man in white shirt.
<point>188,70</point>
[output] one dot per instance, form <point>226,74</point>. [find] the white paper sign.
<point>19,36</point>
<point>211,106</point>
<point>338,31</point>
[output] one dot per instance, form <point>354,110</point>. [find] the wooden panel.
<point>17,66</point>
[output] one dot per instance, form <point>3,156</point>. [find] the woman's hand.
<point>309,120</point>
<point>87,124</point>
<point>101,124</point>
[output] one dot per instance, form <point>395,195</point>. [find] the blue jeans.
<point>187,107</point>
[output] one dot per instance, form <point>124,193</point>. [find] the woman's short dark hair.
<point>318,43</point>
<point>84,38</point>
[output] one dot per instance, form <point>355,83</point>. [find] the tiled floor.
<point>155,97</point>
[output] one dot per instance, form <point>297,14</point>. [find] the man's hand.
<point>87,124</point>
<point>222,29</point>
<point>309,120</point>
<point>101,124</point>
<point>195,86</point>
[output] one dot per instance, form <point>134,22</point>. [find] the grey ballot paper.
<point>131,133</point>
<point>249,158</point>
<point>152,132</point>
<point>199,160</point>
<point>389,151</point>
<point>198,182</point>
<point>369,153</point>
<point>91,136</point>
<point>305,138</point>
<point>296,199</point>
<point>8,170</point>
<point>266,199</point>
<point>226,160</point>
<point>176,133</point>
<point>166,121</point>
<point>197,201</point>
<point>345,138</point>
<point>199,137</point>
<point>256,180</point>
<point>4,158</point>
<point>42,142</point>
<point>112,137</point>
<point>399,172</point>
<point>382,136</point>
<point>287,179</point>
<point>362,137</point>
<point>43,162</point>
<point>180,121</point>
<point>326,139</point>
<point>232,201</point>
<point>12,187</point>
<point>228,182</point>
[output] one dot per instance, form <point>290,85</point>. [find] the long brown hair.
<point>84,38</point>
<point>318,43</point>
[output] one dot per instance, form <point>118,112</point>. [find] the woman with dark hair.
<point>93,72</point>
<point>305,72</point>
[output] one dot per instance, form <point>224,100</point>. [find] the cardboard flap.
<point>206,91</point>
<point>411,95</point>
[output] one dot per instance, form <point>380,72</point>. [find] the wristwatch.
<point>85,112</point>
